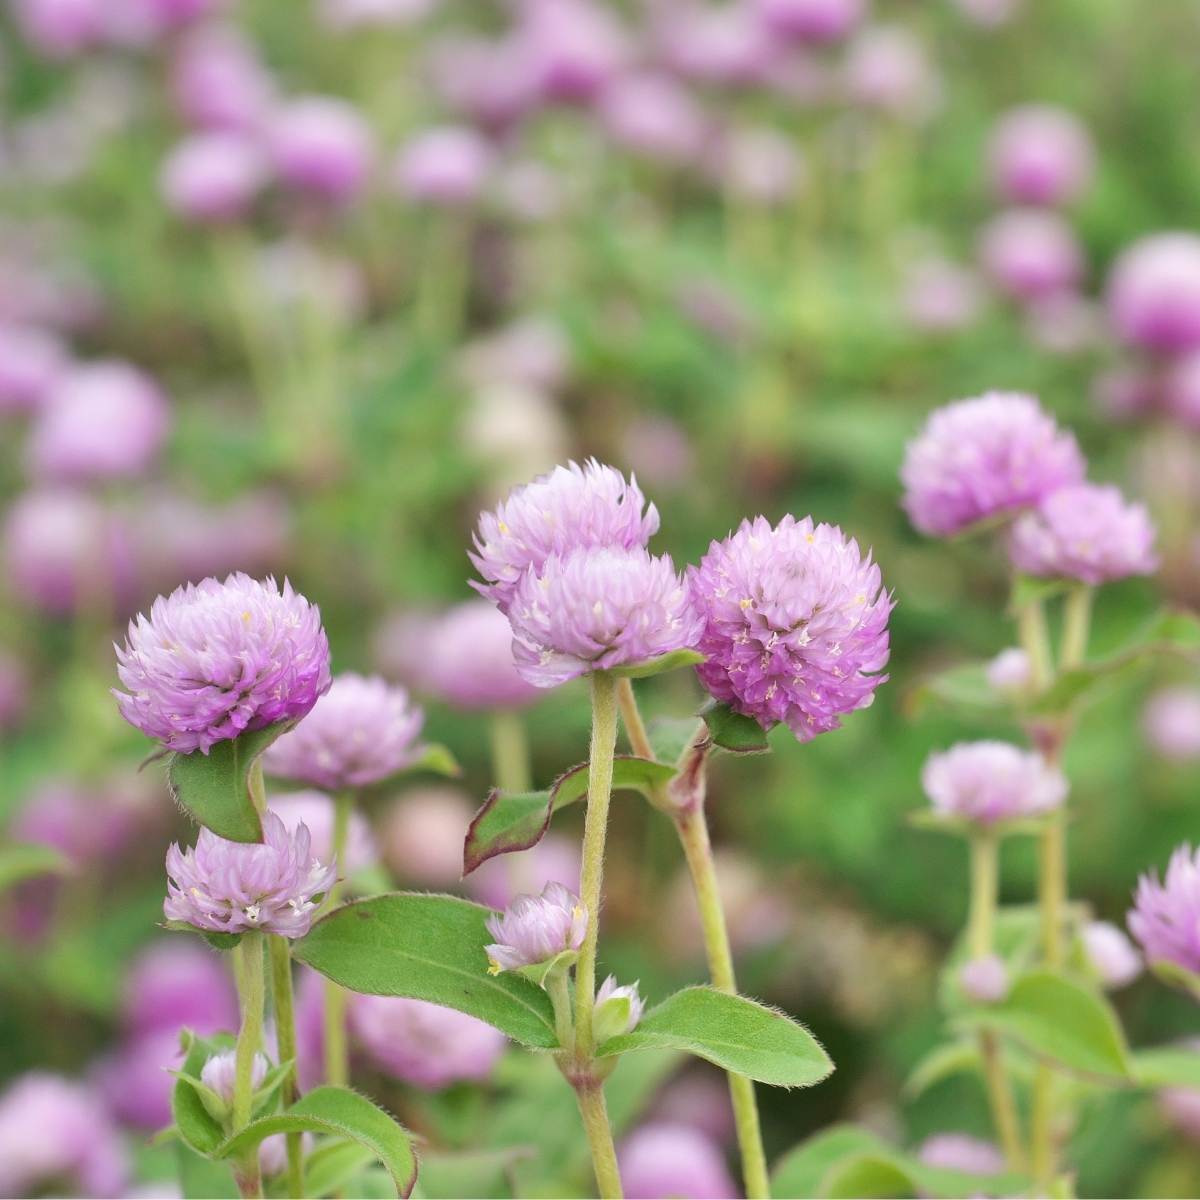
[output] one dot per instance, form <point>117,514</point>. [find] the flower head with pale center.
<point>535,929</point>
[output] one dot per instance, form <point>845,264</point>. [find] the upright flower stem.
<point>589,1089</point>
<point>285,1034</point>
<point>980,936</point>
<point>252,988</point>
<point>692,827</point>
<point>337,1054</point>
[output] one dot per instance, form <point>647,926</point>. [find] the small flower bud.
<point>219,1076</point>
<point>535,930</point>
<point>618,1010</point>
<point>985,980</point>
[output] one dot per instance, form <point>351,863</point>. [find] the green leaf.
<point>671,736</point>
<point>27,861</point>
<point>429,948</point>
<point>215,787</point>
<point>732,1032</point>
<point>938,822</point>
<point>510,821</point>
<point>733,732</point>
<point>950,1058</point>
<point>203,1179</point>
<point>342,1113</point>
<point>800,1171</point>
<point>1167,1066</point>
<point>331,1167</point>
<point>1030,589</point>
<point>438,759</point>
<point>1061,1019</point>
<point>963,687</point>
<point>476,1173</point>
<point>196,1126</point>
<point>660,665</point>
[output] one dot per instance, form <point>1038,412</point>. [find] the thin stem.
<point>559,988</point>
<point>693,833</point>
<point>1077,622</point>
<point>594,1112</point>
<point>285,1036</point>
<point>631,717</point>
<point>250,951</point>
<point>510,751</point>
<point>1035,640</point>
<point>337,1055</point>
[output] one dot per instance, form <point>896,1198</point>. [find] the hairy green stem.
<point>558,985</point>
<point>251,977</point>
<point>285,1035</point>
<point>594,1112</point>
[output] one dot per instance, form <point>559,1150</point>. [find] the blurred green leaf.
<point>202,1178</point>
<point>733,732</point>
<point>27,861</point>
<point>1167,1066</point>
<point>438,759</point>
<point>474,1173</point>
<point>658,666</point>
<point>963,687</point>
<point>196,1126</point>
<point>332,1166</point>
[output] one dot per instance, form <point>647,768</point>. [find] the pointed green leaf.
<point>510,821</point>
<point>733,732</point>
<point>341,1113</point>
<point>732,1032</point>
<point>196,1126</point>
<point>215,787</point>
<point>429,948</point>
<point>203,1179</point>
<point>438,759</point>
<point>671,736</point>
<point>963,688</point>
<point>331,1167</point>
<point>1062,1019</point>
<point>1167,1066</point>
<point>950,1058</point>
<point>27,861</point>
<point>800,1171</point>
<point>660,665</point>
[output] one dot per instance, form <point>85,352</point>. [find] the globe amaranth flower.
<point>535,929</point>
<point>1009,672</point>
<point>316,812</point>
<point>961,1152</point>
<point>1087,532</point>
<point>986,782</point>
<point>795,624</point>
<point>322,148</point>
<point>238,887</point>
<point>424,1044</point>
<point>667,1159</point>
<point>985,456</point>
<point>220,1073</point>
<point>984,980</point>
<point>1153,293</point>
<point>32,362</point>
<point>176,983</point>
<point>214,660</point>
<point>618,1009</point>
<point>1040,154</point>
<point>1171,723</point>
<point>595,609</point>
<point>135,1081</point>
<point>361,731</point>
<point>1111,953</point>
<point>1165,917</point>
<point>1031,254</point>
<point>213,177</point>
<point>569,508</point>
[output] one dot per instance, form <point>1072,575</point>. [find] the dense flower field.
<point>598,598</point>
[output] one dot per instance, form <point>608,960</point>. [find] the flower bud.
<point>618,1010</point>
<point>985,980</point>
<point>219,1076</point>
<point>535,931</point>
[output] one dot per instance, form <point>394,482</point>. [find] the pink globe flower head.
<point>961,1152</point>
<point>1171,724</point>
<point>1111,954</point>
<point>653,117</point>
<point>56,1133</point>
<point>1181,1108</point>
<point>102,421</point>
<point>218,81</point>
<point>63,550</point>
<point>86,825</point>
<point>321,148</point>
<point>272,1153</point>
<point>982,457</point>
<point>214,660</point>
<point>813,22</point>
<point>1084,531</point>
<point>1165,918</point>
<point>315,811</point>
<point>596,609</point>
<point>1040,154</point>
<point>14,691</point>
<point>59,29</point>
<point>1009,672</point>
<point>988,782</point>
<point>1031,253</point>
<point>572,507</point>
<point>424,1044</point>
<point>361,731</point>
<point>1181,390</point>
<point>760,166</point>
<point>536,929</point>
<point>485,81</point>
<point>663,1159</point>
<point>176,984</point>
<point>446,167</point>
<point>1153,293</point>
<point>140,24</point>
<point>940,296</point>
<point>239,887</point>
<point>984,980</point>
<point>573,47</point>
<point>213,178</point>
<point>887,70</point>
<point>795,624</point>
<point>135,1080</point>
<point>422,837</point>
<point>32,363</point>
<point>220,1073</point>
<point>723,46</point>
<point>500,880</point>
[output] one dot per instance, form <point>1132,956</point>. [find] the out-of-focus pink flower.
<point>815,22</point>
<point>1153,293</point>
<point>1165,917</point>
<point>60,28</point>
<point>1009,671</point>
<point>662,1159</point>
<point>498,882</point>
<point>887,70</point>
<point>653,116</point>
<point>573,47</point>
<point>213,178</point>
<point>760,166</point>
<point>135,1079</point>
<point>961,1152</point>
<point>1181,1107</point>
<point>488,82</point>
<point>1030,253</point>
<point>1125,393</point>
<point>989,781</point>
<point>179,983</point>
<point>446,167</point>
<point>321,148</point>
<point>1111,953</point>
<point>940,296</point>
<point>984,980</point>
<point>32,363</point>
<point>315,811</point>
<point>1171,723</point>
<point>699,1097</point>
<point>86,824</point>
<point>423,834</point>
<point>218,81</point>
<point>1181,389</point>
<point>1040,154</point>
<point>726,45</point>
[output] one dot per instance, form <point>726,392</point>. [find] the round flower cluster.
<point>795,624</point>
<point>1039,154</point>
<point>1154,293</point>
<point>214,660</point>
<point>1165,917</point>
<point>236,887</point>
<point>535,929</point>
<point>986,782</point>
<point>361,731</point>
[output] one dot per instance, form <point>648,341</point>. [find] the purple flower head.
<point>213,178</point>
<point>726,46</point>
<point>1111,953</point>
<point>663,1159</point>
<point>485,80</point>
<point>611,1017</point>
<point>361,731</point>
<point>816,22</point>
<point>1171,723</point>
<point>1085,532</point>
<point>315,811</point>
<point>887,70</point>
<point>423,834</point>
<point>1040,154</point>
<point>216,659</point>
<point>986,782</point>
<point>55,1132</point>
<point>653,116</point>
<point>1154,293</point>
<point>984,980</point>
<point>220,1073</point>
<point>32,362</point>
<point>87,824</point>
<point>571,507</point>
<point>961,1152</point>
<point>1031,254</point>
<point>322,147</point>
<point>1165,917</point>
<point>981,457</point>
<point>535,929</point>
<point>1009,671</point>
<point>572,48</point>
<point>698,1098</point>
<point>179,983</point>
<point>445,167</point>
<point>135,1079</point>
<point>595,609</point>
<point>59,29</point>
<point>237,887</point>
<point>218,81</point>
<point>795,624</point>
<point>101,422</point>
<point>1181,1107</point>
<point>424,1044</point>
